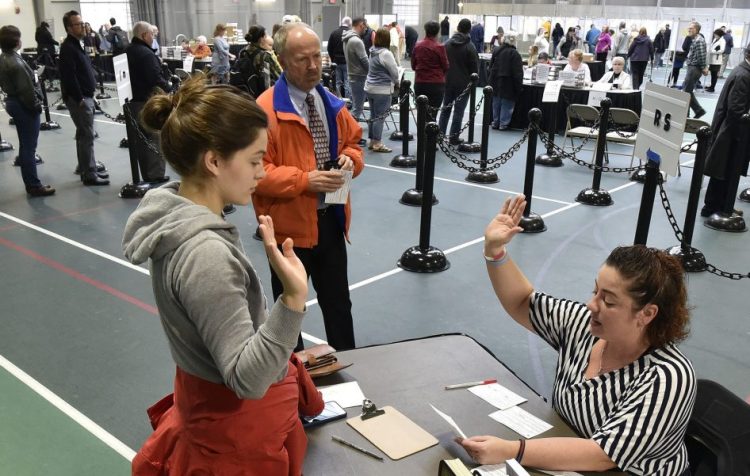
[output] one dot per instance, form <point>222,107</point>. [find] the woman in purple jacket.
<point>640,53</point>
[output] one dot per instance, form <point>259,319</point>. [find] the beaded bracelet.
<point>498,259</point>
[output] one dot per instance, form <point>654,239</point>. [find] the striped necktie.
<point>318,131</point>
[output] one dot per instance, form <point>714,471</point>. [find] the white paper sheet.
<point>521,421</point>
<point>450,421</point>
<point>340,195</point>
<point>597,93</point>
<point>345,394</point>
<point>497,395</point>
<point>500,470</point>
<point>551,91</point>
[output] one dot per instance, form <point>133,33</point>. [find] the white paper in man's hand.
<point>339,196</point>
<point>450,420</point>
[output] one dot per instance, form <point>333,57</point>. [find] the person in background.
<point>603,44</point>
<point>568,44</point>
<point>557,34</point>
<point>430,63</point>
<point>541,41</point>
<point>201,48</point>
<point>237,392</point>
<point>445,29</point>
<point>543,58</point>
<point>617,77</point>
<point>221,55</point>
<point>697,65</point>
<point>621,43</point>
<point>728,156</point>
<point>24,104</point>
<point>335,49</point>
<point>45,44</point>
<point>411,35</point>
<point>591,38</point>
<point>497,38</point>
<point>155,43</point>
<point>260,49</point>
<point>357,65</point>
<point>312,138</point>
<point>679,59</point>
<point>621,381</point>
<point>576,65</point>
<point>660,46</point>
<point>91,39</point>
<point>729,42</point>
<point>715,57</point>
<point>117,37</point>
<point>464,61</point>
<point>477,36</point>
<point>506,79</point>
<point>275,69</point>
<point>368,36</point>
<point>382,76</point>
<point>393,31</point>
<point>641,51</point>
<point>533,56</point>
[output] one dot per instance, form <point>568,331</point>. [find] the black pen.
<point>355,447</point>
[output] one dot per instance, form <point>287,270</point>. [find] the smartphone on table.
<point>331,412</point>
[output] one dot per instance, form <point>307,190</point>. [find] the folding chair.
<point>691,127</point>
<point>586,114</point>
<point>718,434</point>
<point>182,74</point>
<point>623,119</point>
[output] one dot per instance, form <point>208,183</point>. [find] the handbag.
<point>319,360</point>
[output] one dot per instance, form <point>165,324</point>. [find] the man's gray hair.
<point>510,38</point>
<point>696,25</point>
<point>140,28</point>
<point>279,39</point>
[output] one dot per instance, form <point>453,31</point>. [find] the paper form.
<point>345,394</point>
<point>497,395</point>
<point>450,421</point>
<point>521,421</point>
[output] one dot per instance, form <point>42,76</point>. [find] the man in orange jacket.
<point>312,138</point>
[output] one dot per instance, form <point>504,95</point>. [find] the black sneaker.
<point>699,114</point>
<point>40,191</point>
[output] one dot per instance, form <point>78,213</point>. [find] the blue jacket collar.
<point>282,103</point>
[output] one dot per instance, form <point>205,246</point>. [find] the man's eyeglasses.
<point>77,24</point>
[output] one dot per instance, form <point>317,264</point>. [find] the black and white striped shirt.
<point>637,414</point>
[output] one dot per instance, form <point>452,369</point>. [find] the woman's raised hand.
<point>286,265</point>
<point>501,230</point>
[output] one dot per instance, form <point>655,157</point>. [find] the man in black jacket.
<point>145,76</point>
<point>45,47</point>
<point>118,38</point>
<point>445,30</point>
<point>78,86</point>
<point>506,79</point>
<point>463,60</point>
<point>336,53</point>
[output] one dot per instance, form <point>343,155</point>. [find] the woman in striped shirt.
<point>620,382</point>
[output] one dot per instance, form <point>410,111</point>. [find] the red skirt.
<point>203,428</point>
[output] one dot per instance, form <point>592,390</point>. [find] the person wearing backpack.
<point>118,38</point>
<point>256,67</point>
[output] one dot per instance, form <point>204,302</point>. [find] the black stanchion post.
<point>329,79</point>
<point>693,260</point>
<point>404,160</point>
<point>48,124</point>
<point>404,107</point>
<point>413,196</point>
<point>594,195</point>
<point>483,175</point>
<point>135,189</point>
<point>551,158</point>
<point>424,258</point>
<point>745,195</point>
<point>531,222</point>
<point>647,199</point>
<point>102,94</point>
<point>726,219</point>
<point>470,146</point>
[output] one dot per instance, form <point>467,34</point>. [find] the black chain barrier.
<point>459,158</point>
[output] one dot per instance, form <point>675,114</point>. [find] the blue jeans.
<point>27,127</point>
<point>357,88</point>
<point>458,115</point>
<point>342,81</point>
<point>502,111</point>
<point>379,105</point>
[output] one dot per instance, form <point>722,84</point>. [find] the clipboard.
<point>393,433</point>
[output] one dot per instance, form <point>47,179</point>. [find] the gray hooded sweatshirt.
<point>357,63</point>
<point>210,300</point>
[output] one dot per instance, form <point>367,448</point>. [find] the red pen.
<point>470,384</point>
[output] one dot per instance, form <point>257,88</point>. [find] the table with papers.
<point>411,376</point>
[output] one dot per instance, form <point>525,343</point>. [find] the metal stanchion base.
<point>98,111</point>
<point>124,143</point>
<point>12,122</point>
<point>120,117</point>
<point>418,260</point>
<point>49,126</point>
<point>721,222</point>
<point>532,224</point>
<point>137,190</point>
<point>5,145</point>
<point>404,161</point>
<point>597,198</point>
<point>639,176</point>
<point>470,147</point>
<point>413,198</point>
<point>482,176</point>
<point>229,209</point>
<point>62,107</point>
<point>398,135</point>
<point>256,235</point>
<point>549,160</point>
<point>103,96</point>
<point>745,195</point>
<point>692,260</point>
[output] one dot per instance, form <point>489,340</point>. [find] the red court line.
<point>81,277</point>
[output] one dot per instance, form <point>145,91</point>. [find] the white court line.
<point>95,120</point>
<point>469,184</point>
<point>107,438</point>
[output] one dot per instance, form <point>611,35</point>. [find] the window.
<point>407,11</point>
<point>98,12</point>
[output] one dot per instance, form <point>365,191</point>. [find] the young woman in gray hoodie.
<point>237,391</point>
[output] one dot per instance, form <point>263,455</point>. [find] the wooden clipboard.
<point>393,433</point>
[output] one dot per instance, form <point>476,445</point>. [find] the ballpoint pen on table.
<point>470,384</point>
<point>355,447</point>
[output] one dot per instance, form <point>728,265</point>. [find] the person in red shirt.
<point>430,62</point>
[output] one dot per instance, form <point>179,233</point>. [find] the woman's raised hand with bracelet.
<point>504,226</point>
